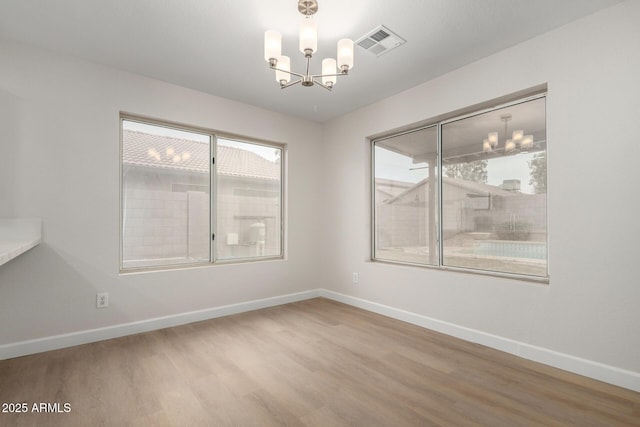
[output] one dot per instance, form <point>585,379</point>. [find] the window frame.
<point>282,148</point>
<point>439,122</point>
<point>214,135</point>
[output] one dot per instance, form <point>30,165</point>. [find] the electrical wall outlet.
<point>102,300</point>
<point>356,278</point>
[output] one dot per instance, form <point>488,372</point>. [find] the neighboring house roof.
<point>477,188</point>
<point>390,187</point>
<point>148,150</point>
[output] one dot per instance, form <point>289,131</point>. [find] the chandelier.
<point>331,69</point>
<point>517,138</point>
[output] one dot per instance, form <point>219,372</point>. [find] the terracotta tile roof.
<point>164,152</point>
<point>237,162</point>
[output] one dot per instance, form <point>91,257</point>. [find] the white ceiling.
<point>216,46</point>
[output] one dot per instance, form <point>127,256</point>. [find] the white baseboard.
<point>55,342</point>
<point>588,368</point>
<point>577,365</point>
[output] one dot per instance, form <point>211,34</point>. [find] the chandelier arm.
<point>322,84</point>
<point>328,75</point>
<point>293,73</point>
<point>290,84</point>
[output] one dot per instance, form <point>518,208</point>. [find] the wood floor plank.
<point>311,363</point>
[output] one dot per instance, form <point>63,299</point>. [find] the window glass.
<point>405,197</point>
<point>165,196</point>
<point>169,214</point>
<point>494,200</point>
<point>248,199</point>
<point>468,193</point>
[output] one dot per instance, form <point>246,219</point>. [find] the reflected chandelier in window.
<point>517,138</point>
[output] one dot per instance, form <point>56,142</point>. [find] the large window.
<point>170,215</point>
<point>466,193</point>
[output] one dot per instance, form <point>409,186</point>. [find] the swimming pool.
<point>504,248</point>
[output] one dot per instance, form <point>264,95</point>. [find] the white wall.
<point>590,308</point>
<point>60,124</point>
<point>9,135</point>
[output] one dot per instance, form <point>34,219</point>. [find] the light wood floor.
<point>317,363</point>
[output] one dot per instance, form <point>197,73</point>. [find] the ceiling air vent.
<point>380,40</point>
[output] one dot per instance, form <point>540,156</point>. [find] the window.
<point>249,200</point>
<point>466,193</point>
<point>170,215</point>
<point>405,197</point>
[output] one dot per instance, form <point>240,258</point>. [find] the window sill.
<point>520,277</point>
<point>189,266</point>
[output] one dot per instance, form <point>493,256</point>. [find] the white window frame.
<point>441,121</point>
<point>214,136</point>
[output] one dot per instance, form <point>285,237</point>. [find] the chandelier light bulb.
<point>345,54</point>
<point>509,146</point>
<point>153,153</point>
<point>272,45</point>
<point>493,139</point>
<point>527,141</point>
<point>486,146</point>
<point>329,67</point>
<point>517,135</point>
<point>284,64</point>
<point>308,36</point>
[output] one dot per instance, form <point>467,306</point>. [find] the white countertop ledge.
<point>18,236</point>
